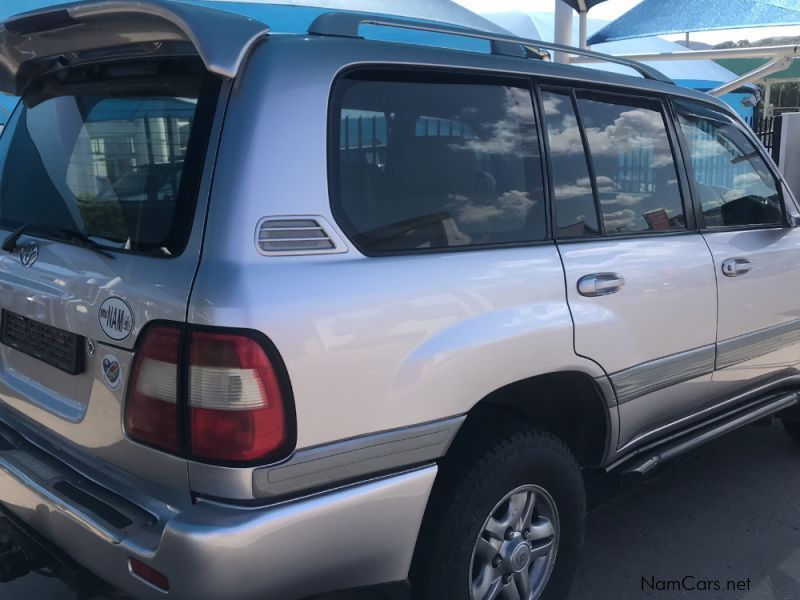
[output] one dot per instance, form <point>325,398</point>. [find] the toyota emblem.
<point>28,254</point>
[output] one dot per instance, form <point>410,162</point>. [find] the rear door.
<point>756,254</point>
<point>640,279</point>
<point>101,168</point>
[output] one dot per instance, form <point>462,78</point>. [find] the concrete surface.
<point>729,512</point>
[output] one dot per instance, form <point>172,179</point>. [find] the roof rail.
<point>347,24</point>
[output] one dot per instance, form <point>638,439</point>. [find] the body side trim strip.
<point>758,343</point>
<point>662,373</point>
<point>349,459</point>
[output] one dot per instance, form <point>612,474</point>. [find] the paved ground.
<point>731,512</point>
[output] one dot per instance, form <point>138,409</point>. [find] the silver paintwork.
<point>517,546</point>
<point>758,343</point>
<point>218,544</point>
<point>390,342</point>
<point>222,39</point>
<point>757,311</point>
<point>329,464</point>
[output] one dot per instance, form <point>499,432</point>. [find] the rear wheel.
<point>506,519</point>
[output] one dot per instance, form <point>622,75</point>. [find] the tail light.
<point>151,412</point>
<point>222,386</point>
<point>235,400</point>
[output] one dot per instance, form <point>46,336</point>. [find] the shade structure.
<point>576,4</point>
<point>657,17</point>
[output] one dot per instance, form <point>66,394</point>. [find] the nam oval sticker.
<point>116,318</point>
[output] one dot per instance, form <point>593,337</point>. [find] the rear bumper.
<point>357,536</point>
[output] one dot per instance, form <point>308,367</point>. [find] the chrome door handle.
<point>733,267</point>
<point>600,284</point>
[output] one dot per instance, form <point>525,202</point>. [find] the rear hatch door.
<point>104,174</point>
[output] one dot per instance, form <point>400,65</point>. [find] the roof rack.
<point>347,24</point>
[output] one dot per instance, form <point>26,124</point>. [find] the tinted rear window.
<point>114,153</point>
<point>425,163</point>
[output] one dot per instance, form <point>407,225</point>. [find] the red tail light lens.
<point>236,407</point>
<point>151,410</point>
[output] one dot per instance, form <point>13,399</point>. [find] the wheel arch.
<point>572,405</point>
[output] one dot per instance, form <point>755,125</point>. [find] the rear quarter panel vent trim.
<point>297,235</point>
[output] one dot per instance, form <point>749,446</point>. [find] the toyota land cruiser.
<point>286,314</point>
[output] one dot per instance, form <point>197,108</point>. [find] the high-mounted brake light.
<point>235,410</point>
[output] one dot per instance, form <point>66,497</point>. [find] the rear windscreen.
<point>113,153</point>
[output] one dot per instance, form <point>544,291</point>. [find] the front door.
<point>756,255</point>
<point>640,278</point>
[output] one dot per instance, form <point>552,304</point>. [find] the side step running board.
<point>633,470</point>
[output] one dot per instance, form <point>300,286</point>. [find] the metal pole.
<point>563,29</point>
<point>583,23</point>
<point>767,98</point>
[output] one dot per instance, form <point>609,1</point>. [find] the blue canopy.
<point>657,17</point>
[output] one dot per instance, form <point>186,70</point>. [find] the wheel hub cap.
<point>516,549</point>
<point>520,557</point>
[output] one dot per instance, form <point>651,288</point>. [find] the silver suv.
<point>287,314</point>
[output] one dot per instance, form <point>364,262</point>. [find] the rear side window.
<point>735,185</point>
<point>634,166</point>
<point>423,163</point>
<point>113,153</point>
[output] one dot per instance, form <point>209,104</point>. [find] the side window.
<point>735,186</point>
<point>634,167</point>
<point>576,213</point>
<point>429,163</point>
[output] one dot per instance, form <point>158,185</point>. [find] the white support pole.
<point>767,98</point>
<point>583,31</point>
<point>775,65</point>
<point>563,29</point>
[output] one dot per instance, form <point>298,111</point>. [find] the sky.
<point>612,9</point>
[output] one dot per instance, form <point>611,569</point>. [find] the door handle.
<point>600,284</point>
<point>733,267</point>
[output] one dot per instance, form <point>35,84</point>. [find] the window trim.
<point>689,167</point>
<point>389,70</point>
<point>633,101</point>
<point>543,84</point>
<point>568,92</point>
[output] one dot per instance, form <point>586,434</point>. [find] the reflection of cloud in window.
<point>634,131</point>
<point>510,135</point>
<point>513,204</point>
<point>552,105</point>
<point>623,199</point>
<point>619,220</point>
<point>566,138</point>
<point>748,184</point>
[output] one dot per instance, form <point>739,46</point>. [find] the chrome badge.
<point>28,254</point>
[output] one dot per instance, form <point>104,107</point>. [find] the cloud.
<point>512,134</point>
<point>619,221</point>
<point>513,204</point>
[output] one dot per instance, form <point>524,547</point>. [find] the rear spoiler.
<point>222,39</point>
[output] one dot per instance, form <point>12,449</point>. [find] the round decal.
<point>112,371</point>
<point>116,318</point>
